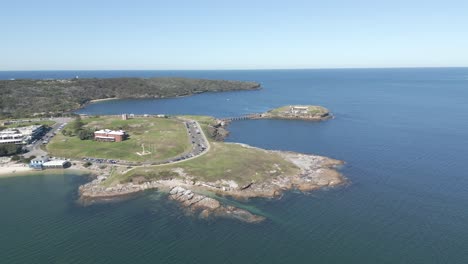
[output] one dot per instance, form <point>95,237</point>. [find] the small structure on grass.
<point>144,152</point>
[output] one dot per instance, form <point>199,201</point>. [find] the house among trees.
<point>108,135</point>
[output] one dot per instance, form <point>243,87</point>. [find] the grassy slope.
<point>165,138</point>
<point>224,161</point>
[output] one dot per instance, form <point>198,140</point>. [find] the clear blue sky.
<point>216,34</point>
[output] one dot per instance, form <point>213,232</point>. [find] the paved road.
<point>35,148</point>
<point>197,137</point>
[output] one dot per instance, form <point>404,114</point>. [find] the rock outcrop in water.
<point>217,130</point>
<point>205,206</point>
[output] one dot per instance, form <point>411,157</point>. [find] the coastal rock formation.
<point>192,202</point>
<point>205,206</point>
<point>218,131</point>
<point>315,172</point>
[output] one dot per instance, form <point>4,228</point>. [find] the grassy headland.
<point>164,138</point>
<point>224,161</point>
<point>21,98</point>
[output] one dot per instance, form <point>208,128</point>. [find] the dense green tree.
<point>9,149</point>
<point>85,134</point>
<point>77,125</point>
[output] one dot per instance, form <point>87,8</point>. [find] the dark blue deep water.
<point>402,132</point>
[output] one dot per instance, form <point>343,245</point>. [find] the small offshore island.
<point>301,112</point>
<point>184,156</point>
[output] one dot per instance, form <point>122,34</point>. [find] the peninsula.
<point>25,97</point>
<point>184,156</point>
<point>180,156</point>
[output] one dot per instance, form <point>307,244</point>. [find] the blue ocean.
<point>403,134</point>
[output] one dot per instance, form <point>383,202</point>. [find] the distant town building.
<point>124,116</point>
<point>20,135</point>
<point>110,135</point>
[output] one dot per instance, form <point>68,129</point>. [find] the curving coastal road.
<point>200,144</point>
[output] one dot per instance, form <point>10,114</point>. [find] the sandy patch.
<point>11,169</point>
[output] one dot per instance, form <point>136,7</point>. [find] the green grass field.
<point>164,138</point>
<point>224,161</point>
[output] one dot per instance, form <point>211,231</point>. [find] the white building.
<point>38,162</point>
<point>10,136</point>
<point>45,163</point>
<point>299,110</point>
<point>56,164</point>
<point>110,135</point>
<point>20,135</point>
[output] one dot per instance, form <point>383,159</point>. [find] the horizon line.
<point>252,69</point>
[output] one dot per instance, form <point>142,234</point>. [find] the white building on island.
<point>298,110</point>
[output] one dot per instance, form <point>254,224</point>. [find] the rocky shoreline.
<point>315,172</point>
<point>312,118</point>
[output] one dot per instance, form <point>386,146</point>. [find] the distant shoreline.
<point>74,94</point>
<point>103,99</point>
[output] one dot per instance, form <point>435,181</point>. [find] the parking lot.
<point>34,148</point>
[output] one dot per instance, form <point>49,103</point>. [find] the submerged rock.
<point>206,206</point>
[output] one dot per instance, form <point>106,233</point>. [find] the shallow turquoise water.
<point>402,133</point>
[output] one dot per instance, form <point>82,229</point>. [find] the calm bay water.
<point>402,132</point>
